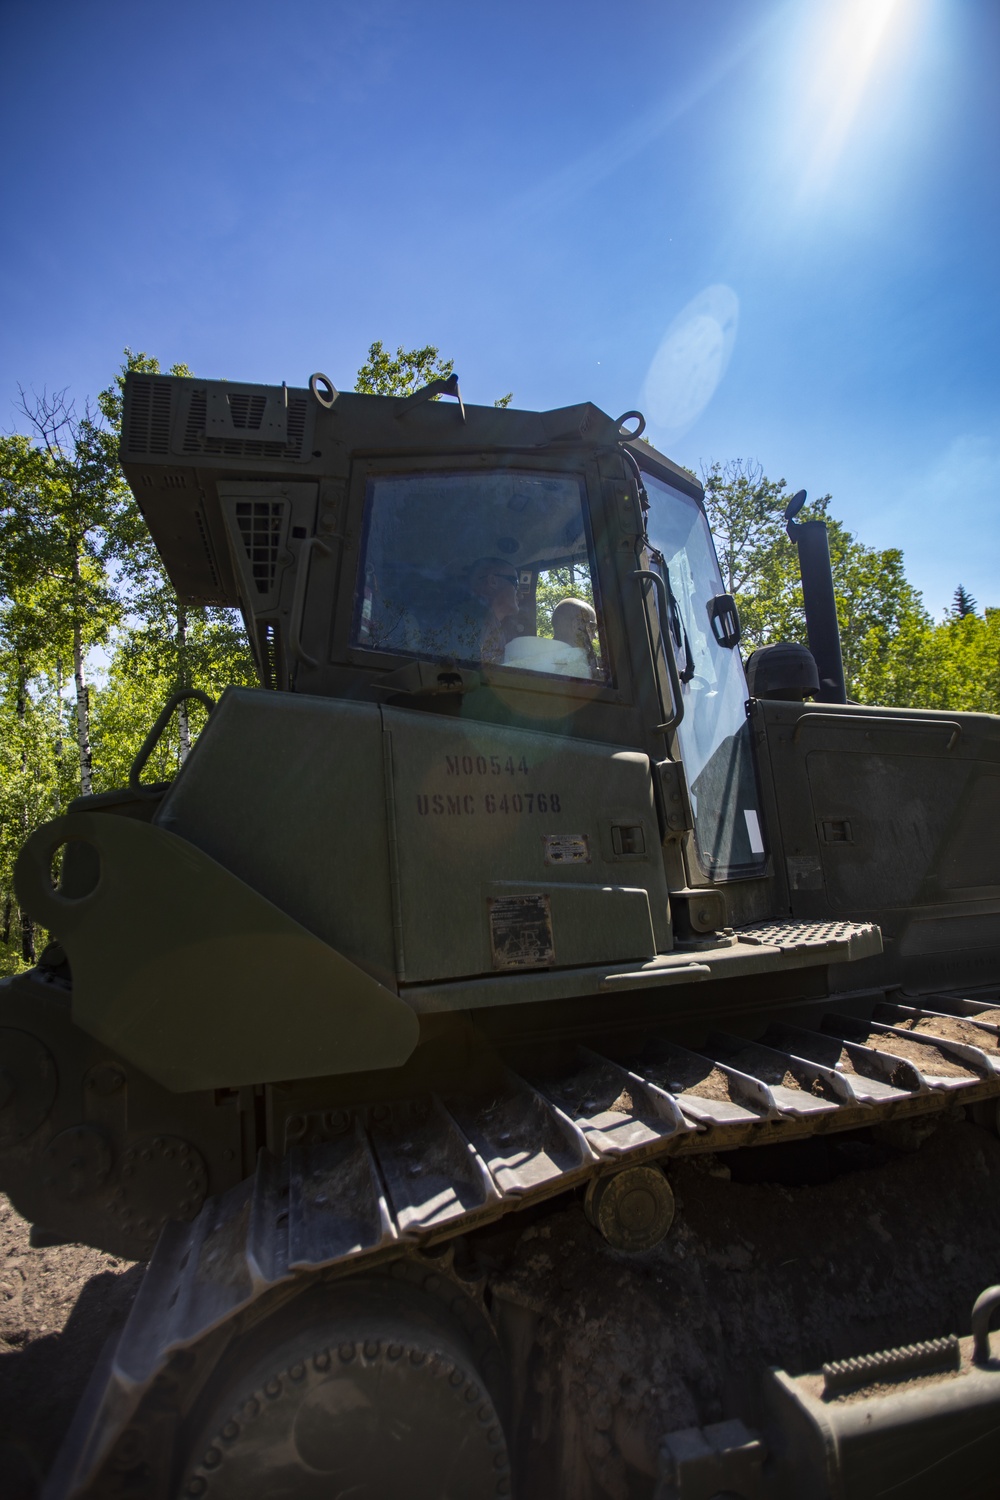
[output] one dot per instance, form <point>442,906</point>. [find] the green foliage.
<point>147,666</point>
<point>409,371</point>
<point>29,793</point>
<point>78,570</point>
<point>886,633</point>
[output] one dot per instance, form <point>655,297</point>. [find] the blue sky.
<point>771,224</point>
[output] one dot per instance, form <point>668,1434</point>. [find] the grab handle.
<point>314,544</point>
<point>149,743</point>
<point>983,1309</point>
<point>673,719</point>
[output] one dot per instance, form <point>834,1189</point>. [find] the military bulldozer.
<point>508,889</point>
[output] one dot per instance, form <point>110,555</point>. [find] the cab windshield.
<point>489,569</point>
<point>714,732</point>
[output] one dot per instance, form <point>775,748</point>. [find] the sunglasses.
<point>510,578</point>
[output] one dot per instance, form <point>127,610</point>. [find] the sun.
<point>848,53</point>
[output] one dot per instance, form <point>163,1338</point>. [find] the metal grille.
<point>149,417</point>
<point>260,527</point>
<point>247,411</point>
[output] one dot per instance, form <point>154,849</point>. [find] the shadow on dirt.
<point>41,1383</point>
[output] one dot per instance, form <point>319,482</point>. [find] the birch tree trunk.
<point>57,799</point>
<point>82,714</point>
<point>27,925</point>
<point>183,722</point>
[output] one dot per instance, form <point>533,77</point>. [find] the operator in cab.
<point>479,626</point>
<point>574,624</point>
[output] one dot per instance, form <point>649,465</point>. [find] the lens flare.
<point>689,364</point>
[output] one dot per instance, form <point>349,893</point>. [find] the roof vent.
<point>148,428</point>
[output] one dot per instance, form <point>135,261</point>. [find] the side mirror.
<point>724,618</point>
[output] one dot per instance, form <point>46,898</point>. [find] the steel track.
<point>403,1175</point>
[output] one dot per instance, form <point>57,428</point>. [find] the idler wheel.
<point>379,1396</point>
<point>633,1209</point>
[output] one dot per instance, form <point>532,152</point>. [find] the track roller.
<point>633,1209</point>
<point>376,1394</point>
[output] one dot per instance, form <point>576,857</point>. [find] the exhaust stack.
<point>821,607</point>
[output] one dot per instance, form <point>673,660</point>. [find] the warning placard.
<point>521,931</point>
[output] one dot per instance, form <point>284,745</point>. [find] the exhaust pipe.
<point>821,607</point>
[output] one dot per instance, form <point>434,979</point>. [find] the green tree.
<point>58,522</point>
<point>409,370</point>
<point>883,623</point>
<point>962,603</point>
<point>746,514</point>
<point>383,374</point>
<point>958,664</point>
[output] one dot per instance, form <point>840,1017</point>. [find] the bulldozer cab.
<point>543,570</point>
<point>482,568</point>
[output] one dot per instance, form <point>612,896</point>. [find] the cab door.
<point>714,731</point>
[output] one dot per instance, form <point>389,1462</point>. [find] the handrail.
<point>956,729</point>
<point>670,723</point>
<point>314,544</point>
<point>985,1306</point>
<point>149,743</point>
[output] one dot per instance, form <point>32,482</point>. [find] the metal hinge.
<point>676,816</point>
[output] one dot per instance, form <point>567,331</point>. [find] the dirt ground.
<point>626,1347</point>
<point>57,1308</point>
<point>893,1250</point>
